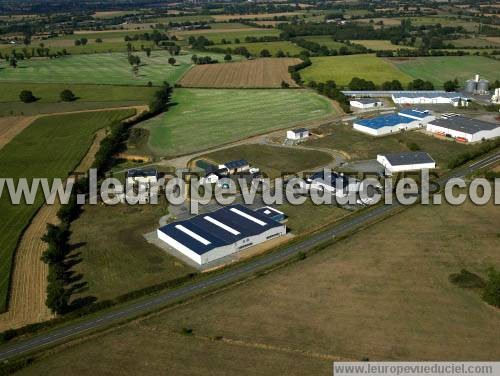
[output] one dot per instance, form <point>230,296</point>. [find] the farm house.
<point>366,103</point>
<point>406,161</point>
<point>404,120</point>
<point>297,134</point>
<point>463,129</point>
<point>212,236</point>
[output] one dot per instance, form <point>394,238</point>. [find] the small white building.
<point>463,129</point>
<point>366,103</point>
<point>297,134</point>
<point>406,161</point>
<point>212,236</point>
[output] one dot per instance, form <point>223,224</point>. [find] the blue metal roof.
<point>415,113</point>
<point>210,232</point>
<point>236,164</point>
<point>390,120</point>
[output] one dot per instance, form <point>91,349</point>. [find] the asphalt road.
<point>120,314</point>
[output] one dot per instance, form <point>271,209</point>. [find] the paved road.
<point>151,303</point>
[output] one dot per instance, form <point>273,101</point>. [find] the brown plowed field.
<point>260,73</point>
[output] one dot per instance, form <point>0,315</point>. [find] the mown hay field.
<point>111,68</point>
<point>439,69</point>
<point>51,147</point>
<point>260,73</point>
<point>342,69</point>
<point>205,118</point>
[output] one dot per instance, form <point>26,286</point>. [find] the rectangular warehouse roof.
<point>463,124</point>
<point>421,114</point>
<point>141,173</point>
<point>367,100</point>
<point>219,228</point>
<point>427,94</point>
<point>236,164</point>
<point>408,158</point>
<point>390,120</point>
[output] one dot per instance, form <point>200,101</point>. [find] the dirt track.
<point>29,275</point>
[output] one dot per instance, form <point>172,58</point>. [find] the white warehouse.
<point>463,129</point>
<point>429,97</point>
<point>212,236</point>
<point>406,161</point>
<point>366,103</point>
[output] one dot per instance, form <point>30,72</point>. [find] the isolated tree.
<point>237,41</point>
<point>228,57</point>
<point>451,85</point>
<point>67,95</point>
<point>280,54</point>
<point>13,62</point>
<point>84,41</point>
<point>265,53</point>
<point>27,96</point>
<point>171,61</point>
<point>98,40</point>
<point>148,51</point>
<point>77,42</point>
<point>194,59</point>
<point>491,292</point>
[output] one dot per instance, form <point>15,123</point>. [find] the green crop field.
<point>112,68</point>
<point>49,148</point>
<point>273,160</point>
<point>442,68</point>
<point>473,42</point>
<point>325,40</point>
<point>204,118</point>
<point>273,47</point>
<point>89,97</point>
<point>342,69</point>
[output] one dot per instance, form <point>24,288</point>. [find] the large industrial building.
<point>366,103</point>
<point>430,97</point>
<point>406,161</point>
<point>406,119</point>
<point>212,236</point>
<point>463,129</point>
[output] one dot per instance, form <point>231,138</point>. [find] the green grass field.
<point>90,97</point>
<point>324,40</point>
<point>49,148</point>
<point>342,69</point>
<point>111,263</point>
<point>272,160</point>
<point>204,118</point>
<point>273,47</point>
<point>99,69</point>
<point>472,42</point>
<point>442,68</point>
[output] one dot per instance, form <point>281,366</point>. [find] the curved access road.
<point>151,303</point>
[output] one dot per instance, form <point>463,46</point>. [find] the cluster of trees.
<point>362,84</point>
<point>321,50</point>
<point>81,42</point>
<point>294,69</point>
<point>155,36</point>
<point>200,60</point>
<point>28,53</point>
<point>330,90</point>
<point>27,96</point>
<point>57,239</point>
